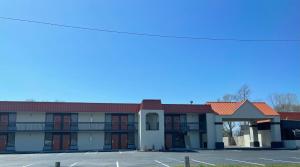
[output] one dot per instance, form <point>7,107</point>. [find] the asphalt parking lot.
<point>150,159</point>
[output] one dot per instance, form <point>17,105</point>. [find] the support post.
<point>253,135</point>
<point>210,130</point>
<point>219,132</point>
<point>276,133</point>
<point>186,161</point>
<point>57,164</point>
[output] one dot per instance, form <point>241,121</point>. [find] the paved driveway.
<point>149,159</point>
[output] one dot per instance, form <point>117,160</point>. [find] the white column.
<point>151,139</point>
<point>254,142</point>
<point>141,126</point>
<point>210,130</point>
<point>219,132</point>
<point>276,133</point>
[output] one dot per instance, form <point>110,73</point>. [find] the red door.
<point>124,122</point>
<point>56,142</point>
<point>57,122</point>
<point>168,122</point>
<point>176,122</point>
<point>3,139</point>
<point>66,142</point>
<point>168,141</point>
<point>67,122</point>
<point>124,142</point>
<point>115,122</point>
<point>3,121</point>
<point>115,141</point>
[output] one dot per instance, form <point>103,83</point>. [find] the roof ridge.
<point>65,102</point>
<point>223,101</point>
<point>188,104</point>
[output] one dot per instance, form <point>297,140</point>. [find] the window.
<point>73,141</point>
<point>49,121</point>
<point>12,120</point>
<point>131,144</point>
<point>107,138</point>
<point>74,121</point>
<point>48,141</point>
<point>131,122</point>
<point>4,121</point>
<point>152,122</point>
<point>202,123</point>
<point>10,140</point>
<point>130,138</point>
<point>107,121</point>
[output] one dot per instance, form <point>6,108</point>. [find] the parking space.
<point>150,159</point>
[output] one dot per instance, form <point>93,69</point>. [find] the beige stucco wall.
<point>151,138</point>
<point>29,141</point>
<point>192,117</point>
<point>193,136</point>
<point>30,117</point>
<point>91,117</point>
<point>211,130</point>
<point>90,140</point>
<point>264,137</point>
<point>194,140</point>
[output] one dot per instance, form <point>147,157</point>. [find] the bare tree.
<point>229,126</point>
<point>243,93</point>
<point>285,102</point>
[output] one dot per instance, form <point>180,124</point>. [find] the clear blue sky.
<point>51,63</point>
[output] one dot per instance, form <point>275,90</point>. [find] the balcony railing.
<point>70,127</point>
<point>183,127</point>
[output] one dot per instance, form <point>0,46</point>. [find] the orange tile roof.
<point>229,108</point>
<point>265,108</point>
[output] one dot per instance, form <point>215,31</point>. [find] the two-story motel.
<point>149,125</point>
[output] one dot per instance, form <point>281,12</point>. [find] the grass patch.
<point>270,165</point>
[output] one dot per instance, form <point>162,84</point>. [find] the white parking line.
<point>173,159</point>
<point>73,164</point>
<point>277,160</point>
<point>247,162</point>
<point>161,163</point>
<point>202,162</point>
<point>294,157</point>
<point>27,165</point>
<point>237,150</point>
<point>86,153</point>
<point>117,163</point>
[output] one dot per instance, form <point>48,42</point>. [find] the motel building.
<point>149,125</point>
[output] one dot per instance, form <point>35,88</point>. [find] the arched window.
<point>152,122</point>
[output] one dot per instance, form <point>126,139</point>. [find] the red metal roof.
<point>186,108</point>
<point>229,108</point>
<point>290,116</point>
<point>151,104</point>
<point>19,106</point>
<point>6,106</point>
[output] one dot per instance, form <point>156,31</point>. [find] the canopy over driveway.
<point>242,111</point>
